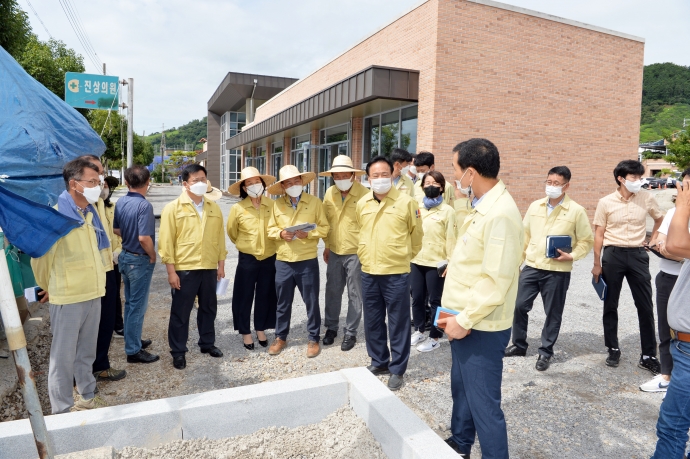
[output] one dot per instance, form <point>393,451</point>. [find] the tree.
<point>679,150</point>
<point>111,126</point>
<point>48,62</point>
<point>15,29</point>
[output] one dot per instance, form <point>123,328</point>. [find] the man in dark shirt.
<point>135,223</point>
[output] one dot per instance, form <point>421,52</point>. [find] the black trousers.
<point>107,324</point>
<point>631,264</point>
<point>201,283</point>
<point>255,282</point>
<point>664,285</point>
<point>119,323</point>
<point>553,287</point>
<point>425,280</point>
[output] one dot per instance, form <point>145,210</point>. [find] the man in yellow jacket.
<point>423,163</point>
<point>390,235</point>
<point>101,366</point>
<point>340,255</point>
<point>555,215</point>
<point>192,246</point>
<point>296,250</point>
<point>72,275</point>
<point>402,161</point>
<point>481,286</point>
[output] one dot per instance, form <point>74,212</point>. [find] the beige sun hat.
<point>247,173</point>
<point>212,193</point>
<point>286,173</point>
<point>342,163</point>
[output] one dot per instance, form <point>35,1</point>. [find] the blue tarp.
<point>39,133</point>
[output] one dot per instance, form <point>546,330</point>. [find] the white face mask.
<point>199,188</point>
<point>633,187</point>
<point>255,190</point>
<point>343,185</point>
<point>381,185</point>
<point>404,170</point>
<point>554,192</point>
<point>294,191</point>
<point>413,170</point>
<point>420,175</point>
<point>466,191</point>
<point>91,194</point>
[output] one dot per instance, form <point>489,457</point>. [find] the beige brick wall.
<point>409,42</point>
<point>544,92</point>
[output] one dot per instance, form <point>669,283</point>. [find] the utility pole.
<point>130,121</point>
<point>163,155</point>
<point>104,69</point>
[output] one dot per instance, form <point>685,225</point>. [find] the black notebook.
<point>553,243</point>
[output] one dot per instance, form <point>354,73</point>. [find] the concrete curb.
<point>237,411</point>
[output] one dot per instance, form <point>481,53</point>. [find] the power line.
<point>39,19</point>
<point>77,31</point>
<point>81,26</point>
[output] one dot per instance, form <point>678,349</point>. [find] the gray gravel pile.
<point>341,435</point>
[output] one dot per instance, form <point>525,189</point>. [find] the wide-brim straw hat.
<point>286,173</point>
<point>342,163</point>
<point>212,193</point>
<point>247,173</point>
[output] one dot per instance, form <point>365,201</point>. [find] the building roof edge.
<point>550,17</point>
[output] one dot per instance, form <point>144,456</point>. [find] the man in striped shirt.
<point>620,227</point>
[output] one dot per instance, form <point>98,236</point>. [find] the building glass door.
<point>334,141</point>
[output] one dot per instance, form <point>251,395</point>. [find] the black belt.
<point>136,254</point>
<point>625,249</point>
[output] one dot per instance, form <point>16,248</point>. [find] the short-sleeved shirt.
<point>678,304</point>
<point>134,217</point>
<point>668,266</point>
<point>625,221</point>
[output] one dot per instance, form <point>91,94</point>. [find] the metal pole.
<point>163,155</point>
<point>17,343</point>
<point>130,121</point>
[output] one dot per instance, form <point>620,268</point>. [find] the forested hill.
<point>665,100</point>
<point>187,135</point>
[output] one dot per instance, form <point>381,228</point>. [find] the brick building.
<point>546,90</point>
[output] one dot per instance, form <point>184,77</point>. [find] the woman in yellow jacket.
<point>438,222</point>
<point>256,265</point>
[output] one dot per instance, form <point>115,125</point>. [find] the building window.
<point>276,157</point>
<point>385,131</point>
<point>301,154</point>
<point>260,159</point>
<point>334,141</point>
<point>231,125</point>
<point>248,160</point>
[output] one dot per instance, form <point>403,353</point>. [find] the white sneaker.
<point>417,337</point>
<point>657,384</point>
<point>429,346</point>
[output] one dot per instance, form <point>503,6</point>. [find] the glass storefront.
<point>301,154</point>
<point>385,131</point>
<point>276,158</point>
<point>260,159</point>
<point>231,160</point>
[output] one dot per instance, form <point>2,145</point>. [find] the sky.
<point>179,51</point>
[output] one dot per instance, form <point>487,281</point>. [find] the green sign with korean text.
<point>83,90</point>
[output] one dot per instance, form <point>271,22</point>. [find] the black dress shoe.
<point>263,343</point>
<point>142,357</point>
<point>348,343</point>
<point>330,337</point>
<point>543,363</point>
<point>614,358</point>
<point>213,351</point>
<point>395,382</point>
<point>378,371</point>
<point>180,362</point>
<point>249,347</point>
<point>450,442</point>
<point>145,343</point>
<point>514,351</point>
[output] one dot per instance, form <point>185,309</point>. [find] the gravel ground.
<point>341,434</point>
<point>578,408</point>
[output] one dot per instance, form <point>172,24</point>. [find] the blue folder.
<point>557,242</point>
<point>600,287</point>
<point>442,312</point>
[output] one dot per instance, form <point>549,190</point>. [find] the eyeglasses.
<point>92,182</point>
<point>550,183</point>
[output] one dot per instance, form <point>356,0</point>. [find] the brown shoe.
<point>277,346</point>
<point>313,349</point>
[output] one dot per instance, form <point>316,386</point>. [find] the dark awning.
<point>372,83</point>
<point>237,87</point>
